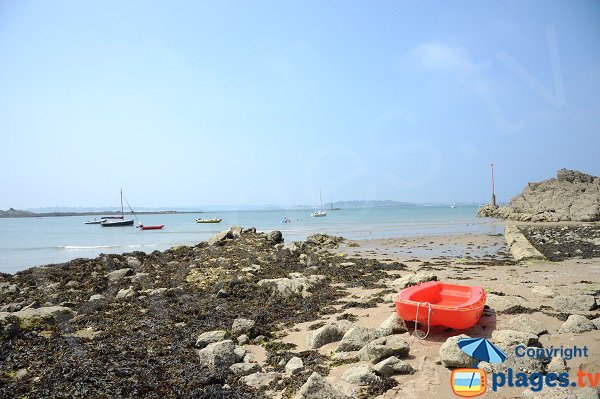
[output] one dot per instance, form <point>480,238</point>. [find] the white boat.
<point>214,220</point>
<point>453,206</point>
<point>95,221</point>
<point>320,213</point>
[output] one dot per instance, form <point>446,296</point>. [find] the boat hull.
<point>117,223</point>
<point>159,227</point>
<point>455,306</point>
<point>208,220</point>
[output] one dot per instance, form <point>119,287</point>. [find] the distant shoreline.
<point>27,214</point>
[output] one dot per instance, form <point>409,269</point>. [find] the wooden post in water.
<point>493,194</point>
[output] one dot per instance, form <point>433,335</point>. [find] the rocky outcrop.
<point>317,387</point>
<point>42,317</point>
<point>297,284</point>
<point>571,196</point>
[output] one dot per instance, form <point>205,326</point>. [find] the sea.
<point>26,242</point>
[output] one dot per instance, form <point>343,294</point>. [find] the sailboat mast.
<point>122,214</point>
<point>320,198</point>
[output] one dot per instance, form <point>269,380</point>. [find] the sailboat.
<point>332,208</point>
<point>320,213</point>
<point>117,222</point>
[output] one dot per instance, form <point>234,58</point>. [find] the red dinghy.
<point>158,227</point>
<point>455,306</point>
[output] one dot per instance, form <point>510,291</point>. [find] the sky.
<point>192,103</point>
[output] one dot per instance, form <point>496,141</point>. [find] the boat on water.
<point>213,220</point>
<point>95,221</point>
<point>320,213</point>
<point>156,227</point>
<point>111,221</point>
<point>439,304</point>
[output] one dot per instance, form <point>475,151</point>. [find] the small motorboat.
<point>156,227</point>
<point>440,304</point>
<point>214,220</point>
<point>318,214</point>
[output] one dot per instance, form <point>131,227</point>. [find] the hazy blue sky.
<point>260,102</point>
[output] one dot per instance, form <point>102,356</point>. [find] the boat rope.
<point>132,212</point>
<point>428,320</point>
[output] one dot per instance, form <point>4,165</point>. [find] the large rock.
<point>328,333</point>
<point>317,387</point>
<point>392,325</point>
<point>392,366</point>
<point>275,236</point>
<point>210,337</point>
<point>574,303</point>
<point>576,324</point>
<point>356,338</point>
<point>242,369</point>
<point>525,323</point>
<point>571,196</point>
<point>508,338</point>
<point>242,326</point>
<point>452,356</point>
<point>297,284</point>
<point>360,375</point>
<point>44,316</point>
<point>384,347</point>
<point>413,279</point>
<point>220,237</point>
<point>218,354</point>
<point>118,275</point>
<point>294,365</point>
<point>260,379</point>
<point>504,303</point>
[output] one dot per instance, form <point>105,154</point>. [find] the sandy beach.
<point>107,314</point>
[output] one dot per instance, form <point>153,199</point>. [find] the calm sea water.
<point>36,241</point>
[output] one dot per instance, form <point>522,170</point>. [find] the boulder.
<point>576,324</point>
<point>218,354</point>
<point>413,279</point>
<point>557,365</point>
<point>125,293</point>
<point>596,322</point>
<point>574,303</point>
<point>242,326</point>
<point>452,356</point>
<point>384,347</point>
<point>360,375</point>
<point>236,231</point>
<point>260,379</point>
<point>97,297</point>
<point>210,337</point>
<point>504,303</point>
<point>543,291</point>
<point>392,325</point>
<point>356,338</point>
<point>317,387</point>
<point>133,262</point>
<point>294,366</point>
<point>275,236</point>
<point>297,284</point>
<point>525,323</point>
<point>242,369</point>
<point>328,333</point>
<point>509,338</point>
<point>392,366</point>
<point>119,274</point>
<point>220,238</point>
<point>43,316</point>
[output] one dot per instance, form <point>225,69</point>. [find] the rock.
<point>543,291</point>
<point>222,293</point>
<point>242,326</point>
<point>260,379</point>
<point>133,262</point>
<point>557,365</point>
<point>296,284</point>
<point>125,293</point>
<point>240,353</point>
<point>571,196</point>
<point>97,297</point>
<point>294,247</point>
<point>452,356</point>
<point>275,236</point>
<point>392,366</point>
<point>392,325</point>
<point>356,338</point>
<point>141,278</point>
<point>576,324</point>
<point>508,338</point>
<point>6,287</point>
<point>243,339</point>
<point>503,304</point>
<point>324,241</point>
<point>525,364</point>
<point>118,275</point>
<point>345,357</point>
<point>44,316</point>
<point>242,369</point>
<point>218,354</point>
<point>328,333</point>
<point>317,387</point>
<point>525,323</point>
<point>574,303</point>
<point>210,337</point>
<point>294,366</point>
<point>360,375</point>
<point>413,279</point>
<point>20,373</point>
<point>596,322</point>
<point>220,238</point>
<point>384,347</point>
<point>236,231</point>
